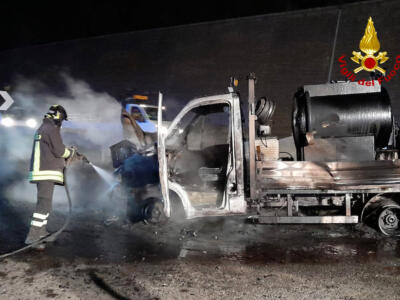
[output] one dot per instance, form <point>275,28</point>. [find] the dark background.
<point>284,49</point>
<point>27,23</point>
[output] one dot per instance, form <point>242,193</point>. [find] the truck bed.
<point>312,177</point>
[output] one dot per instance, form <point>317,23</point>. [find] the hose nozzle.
<point>85,160</point>
<point>80,157</point>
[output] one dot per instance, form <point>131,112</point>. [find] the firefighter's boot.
<point>39,246</point>
<point>35,234</point>
<point>50,237</point>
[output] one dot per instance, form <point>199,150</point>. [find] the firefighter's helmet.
<point>57,113</point>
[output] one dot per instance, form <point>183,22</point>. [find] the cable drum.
<point>343,116</point>
<point>265,108</point>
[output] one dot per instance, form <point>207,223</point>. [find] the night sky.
<point>27,23</point>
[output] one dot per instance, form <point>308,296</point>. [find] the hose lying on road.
<point>53,235</point>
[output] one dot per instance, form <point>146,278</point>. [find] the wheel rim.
<point>154,212</point>
<point>388,221</point>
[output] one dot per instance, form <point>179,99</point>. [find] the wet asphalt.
<point>94,237</point>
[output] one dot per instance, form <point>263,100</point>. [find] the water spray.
<point>105,175</point>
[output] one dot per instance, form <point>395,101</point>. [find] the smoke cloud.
<point>94,125</point>
<point>94,117</point>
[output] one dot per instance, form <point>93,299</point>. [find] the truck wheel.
<point>153,212</point>
<point>384,214</point>
<point>388,221</point>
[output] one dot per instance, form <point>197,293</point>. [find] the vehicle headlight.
<point>31,123</point>
<point>7,121</point>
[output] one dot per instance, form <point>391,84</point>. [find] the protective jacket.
<point>49,154</point>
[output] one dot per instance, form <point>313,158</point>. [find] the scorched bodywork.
<point>202,162</point>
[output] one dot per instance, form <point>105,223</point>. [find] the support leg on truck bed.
<point>290,219</point>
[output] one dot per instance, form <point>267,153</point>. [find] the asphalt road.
<point>213,258</point>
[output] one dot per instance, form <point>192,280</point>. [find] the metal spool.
<point>342,116</point>
<point>265,109</point>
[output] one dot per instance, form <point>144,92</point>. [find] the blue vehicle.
<point>95,136</point>
<point>144,116</point>
<point>144,109</point>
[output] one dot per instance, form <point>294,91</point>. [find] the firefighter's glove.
<point>72,156</point>
<point>73,152</point>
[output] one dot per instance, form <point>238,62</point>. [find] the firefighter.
<point>47,169</point>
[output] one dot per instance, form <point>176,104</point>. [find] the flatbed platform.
<point>304,219</point>
<point>306,177</point>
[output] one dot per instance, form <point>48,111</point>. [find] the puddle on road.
<point>216,241</point>
<point>119,248</point>
<point>327,251</point>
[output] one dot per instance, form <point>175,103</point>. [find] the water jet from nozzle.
<point>105,175</point>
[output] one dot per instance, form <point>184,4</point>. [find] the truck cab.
<point>202,153</point>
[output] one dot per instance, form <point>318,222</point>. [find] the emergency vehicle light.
<point>140,97</point>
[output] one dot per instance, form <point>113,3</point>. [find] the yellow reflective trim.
<point>50,178</point>
<point>46,175</point>
<point>52,173</point>
<point>36,158</point>
<point>40,216</point>
<point>66,154</point>
<point>38,223</point>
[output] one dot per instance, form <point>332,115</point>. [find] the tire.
<point>384,215</point>
<point>153,212</point>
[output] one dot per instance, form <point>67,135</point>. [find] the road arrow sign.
<point>8,101</point>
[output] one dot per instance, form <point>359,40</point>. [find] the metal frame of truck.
<point>283,186</point>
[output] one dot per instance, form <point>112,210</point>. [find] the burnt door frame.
<point>234,200</point>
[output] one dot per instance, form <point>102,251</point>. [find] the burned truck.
<point>341,165</point>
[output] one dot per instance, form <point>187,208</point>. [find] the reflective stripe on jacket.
<point>48,154</point>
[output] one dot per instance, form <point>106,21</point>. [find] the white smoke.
<point>94,125</point>
<point>94,117</point>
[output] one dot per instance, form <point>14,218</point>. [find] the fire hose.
<point>52,236</point>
